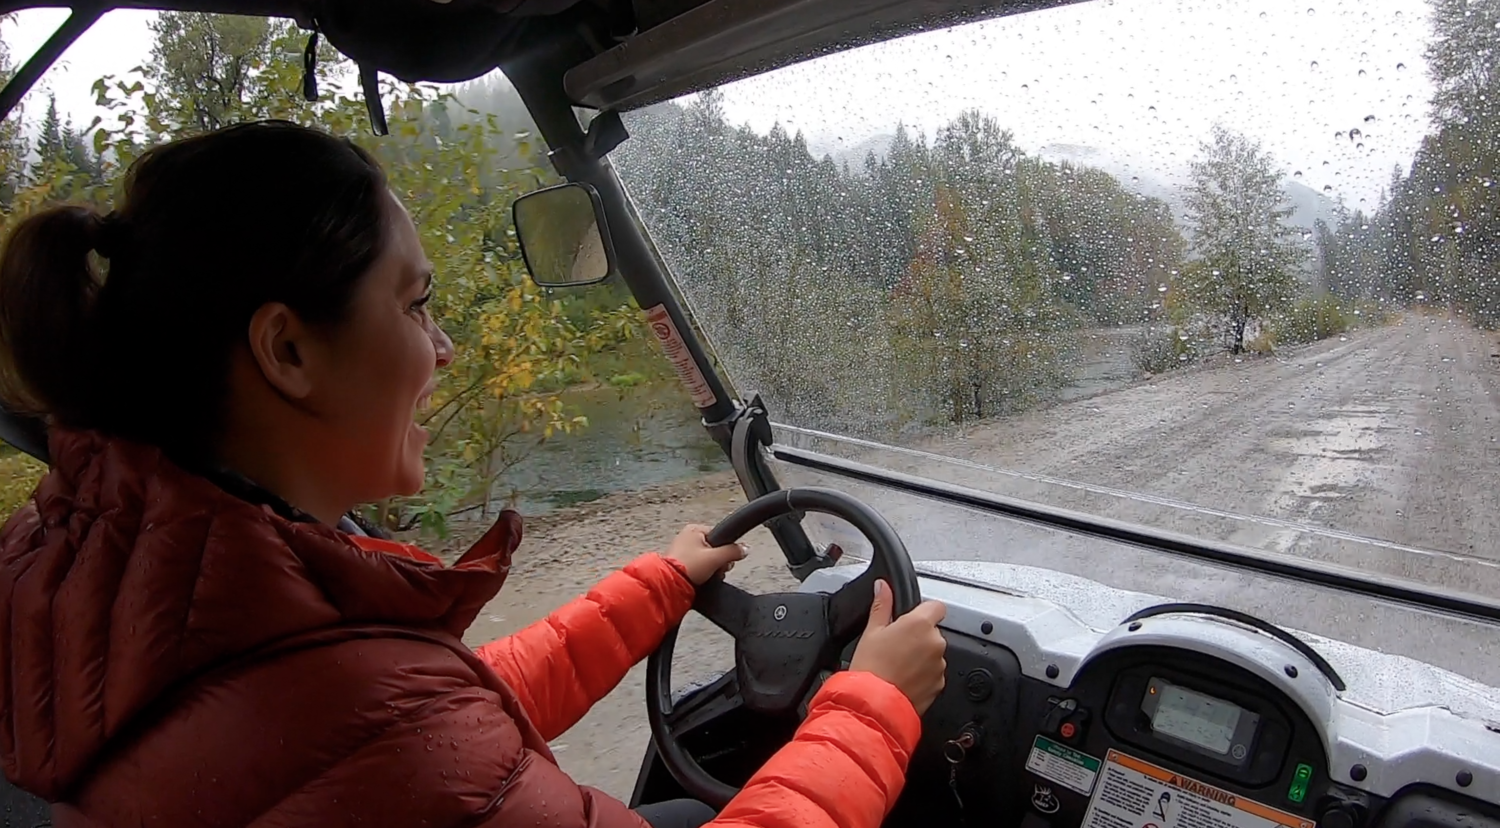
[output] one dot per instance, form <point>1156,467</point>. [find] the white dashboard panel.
<point>1403,721</point>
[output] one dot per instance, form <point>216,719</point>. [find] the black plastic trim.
<point>26,77</point>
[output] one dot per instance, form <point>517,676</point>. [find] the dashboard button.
<point>1341,816</point>
<point>979,684</point>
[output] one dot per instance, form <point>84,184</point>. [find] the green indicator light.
<point>1298,791</point>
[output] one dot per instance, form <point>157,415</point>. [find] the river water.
<point>651,434</point>
<point>636,437</point>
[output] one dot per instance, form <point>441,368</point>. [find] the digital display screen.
<point>1194,718</point>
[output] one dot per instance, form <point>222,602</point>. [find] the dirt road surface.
<point>1392,433</point>
<point>1387,442</point>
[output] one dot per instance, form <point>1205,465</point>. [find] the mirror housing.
<point>564,236</point>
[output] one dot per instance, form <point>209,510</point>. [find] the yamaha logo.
<point>780,612</point>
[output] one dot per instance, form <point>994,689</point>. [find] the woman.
<point>186,637</point>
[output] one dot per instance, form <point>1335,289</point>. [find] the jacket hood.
<point>126,576</point>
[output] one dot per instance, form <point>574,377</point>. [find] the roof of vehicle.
<point>639,51</point>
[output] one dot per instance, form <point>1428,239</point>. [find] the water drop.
<point>1315,65</point>
<point>1361,73</point>
<point>1311,12</point>
<point>1297,174</point>
<point>1327,188</point>
<point>1400,67</point>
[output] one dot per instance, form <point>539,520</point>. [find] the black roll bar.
<point>78,22</point>
<point>581,157</point>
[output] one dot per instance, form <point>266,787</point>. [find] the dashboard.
<point>1175,720</point>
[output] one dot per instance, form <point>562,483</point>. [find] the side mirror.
<point>564,237</point>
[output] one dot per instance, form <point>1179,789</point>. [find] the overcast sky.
<point>1141,80</point>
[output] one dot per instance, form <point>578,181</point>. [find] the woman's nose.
<point>444,346</point>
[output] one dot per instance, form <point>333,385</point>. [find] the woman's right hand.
<point>908,652</point>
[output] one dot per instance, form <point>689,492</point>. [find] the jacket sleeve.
<point>844,768</point>
<point>561,665</point>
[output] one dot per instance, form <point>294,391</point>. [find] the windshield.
<point>1223,270</point>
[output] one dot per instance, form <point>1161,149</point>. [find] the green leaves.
<point>1249,256</point>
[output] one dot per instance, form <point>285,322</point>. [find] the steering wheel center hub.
<point>784,643</point>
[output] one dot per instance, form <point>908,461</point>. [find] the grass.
<point>19,474</point>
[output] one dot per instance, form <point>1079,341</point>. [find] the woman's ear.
<point>279,342</point>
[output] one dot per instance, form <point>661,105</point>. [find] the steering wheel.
<point>782,640</point>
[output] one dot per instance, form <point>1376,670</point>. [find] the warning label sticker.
<point>1136,794</point>
<point>1063,765</point>
<point>677,353</point>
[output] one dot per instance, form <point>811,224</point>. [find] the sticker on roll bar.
<point>681,358</point>
<point>1137,794</point>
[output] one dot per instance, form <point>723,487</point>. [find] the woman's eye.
<point>420,306</point>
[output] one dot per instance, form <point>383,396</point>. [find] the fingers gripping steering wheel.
<point>782,640</point>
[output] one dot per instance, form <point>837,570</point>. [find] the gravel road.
<point>1368,451</point>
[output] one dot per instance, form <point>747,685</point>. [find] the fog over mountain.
<point>1158,178</point>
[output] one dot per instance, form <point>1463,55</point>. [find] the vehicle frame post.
<point>581,156</point>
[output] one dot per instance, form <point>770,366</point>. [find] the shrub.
<point>1159,350</point>
<point>1263,342</point>
<point>1311,319</point>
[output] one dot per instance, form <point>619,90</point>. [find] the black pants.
<point>676,813</point>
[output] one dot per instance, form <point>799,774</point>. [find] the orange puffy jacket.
<point>172,654</point>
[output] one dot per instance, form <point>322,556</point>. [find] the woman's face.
<point>384,360</point>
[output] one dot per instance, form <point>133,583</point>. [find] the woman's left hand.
<point>702,561</point>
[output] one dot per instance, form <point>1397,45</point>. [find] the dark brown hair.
<point>210,229</point>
